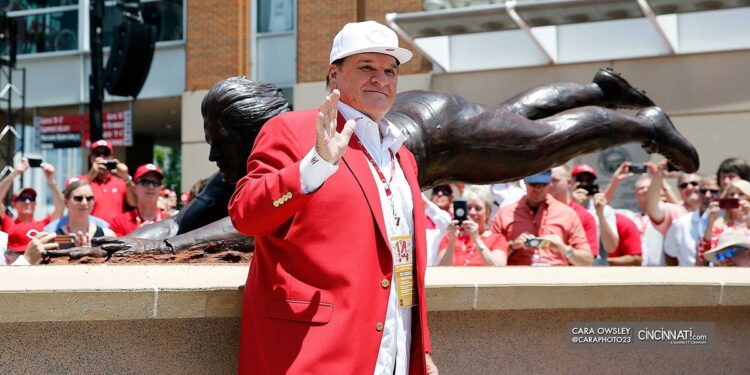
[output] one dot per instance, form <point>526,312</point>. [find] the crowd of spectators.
<point>106,201</point>
<point>555,218</point>
<point>561,218</point>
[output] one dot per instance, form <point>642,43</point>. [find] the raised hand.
<point>329,143</point>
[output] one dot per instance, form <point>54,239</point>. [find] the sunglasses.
<point>685,184</point>
<point>442,191</point>
<point>714,192</point>
<point>729,253</point>
<point>148,182</point>
<point>26,198</point>
<point>80,198</point>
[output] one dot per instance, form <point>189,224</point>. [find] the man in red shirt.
<point>113,195</point>
<point>560,190</point>
<point>629,248</point>
<point>24,202</point>
<point>540,230</point>
<point>148,178</point>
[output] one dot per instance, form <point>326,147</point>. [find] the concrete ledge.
<point>86,293</point>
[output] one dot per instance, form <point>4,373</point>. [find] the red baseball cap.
<point>24,191</point>
<point>165,192</point>
<point>102,143</point>
<point>146,168</point>
<point>583,168</point>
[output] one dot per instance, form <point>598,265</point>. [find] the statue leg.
<point>503,146</point>
<point>608,89</point>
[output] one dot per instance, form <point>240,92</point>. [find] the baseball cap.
<point>539,178</point>
<point>102,143</point>
<point>24,191</point>
<point>146,168</point>
<point>583,168</point>
<point>367,36</point>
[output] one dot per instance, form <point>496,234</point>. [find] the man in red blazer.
<point>336,285</point>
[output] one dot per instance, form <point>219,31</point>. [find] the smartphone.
<point>637,168</point>
<point>460,210</point>
<point>534,242</point>
<point>65,241</point>
<point>726,203</point>
<point>34,162</point>
<point>111,164</point>
<point>590,189</point>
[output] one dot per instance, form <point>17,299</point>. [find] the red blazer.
<point>315,290</point>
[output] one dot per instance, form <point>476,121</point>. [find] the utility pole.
<point>96,82</point>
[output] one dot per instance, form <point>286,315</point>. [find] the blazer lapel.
<point>357,163</point>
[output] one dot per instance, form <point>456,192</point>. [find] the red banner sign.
<point>69,131</point>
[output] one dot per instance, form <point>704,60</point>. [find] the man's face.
<point>148,187</point>
<point>229,150</point>
<point>583,179</point>
<point>100,155</point>
<point>726,177</point>
<point>536,193</point>
<point>689,185</point>
<point>367,82</point>
<point>560,182</point>
<point>709,191</point>
<point>641,187</point>
<point>25,204</point>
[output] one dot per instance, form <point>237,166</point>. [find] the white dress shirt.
<point>393,355</point>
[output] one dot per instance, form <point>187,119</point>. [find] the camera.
<point>534,242</point>
<point>725,203</point>
<point>111,164</point>
<point>65,241</point>
<point>637,168</point>
<point>34,162</point>
<point>590,189</point>
<point>460,210</point>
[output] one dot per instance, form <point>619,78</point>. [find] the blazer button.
<point>385,283</point>
<point>379,326</point>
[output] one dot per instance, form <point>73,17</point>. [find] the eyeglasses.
<point>80,198</point>
<point>685,184</point>
<point>26,198</point>
<point>148,182</point>
<point>714,192</point>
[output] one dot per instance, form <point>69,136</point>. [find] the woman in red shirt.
<point>734,218</point>
<point>470,243</point>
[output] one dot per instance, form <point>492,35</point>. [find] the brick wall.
<point>217,44</point>
<point>319,21</point>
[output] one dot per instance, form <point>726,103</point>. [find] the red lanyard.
<point>386,184</point>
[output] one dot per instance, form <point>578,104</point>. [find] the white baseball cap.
<point>367,36</point>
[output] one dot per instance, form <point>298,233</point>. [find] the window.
<point>166,15</point>
<point>43,26</point>
<point>274,44</point>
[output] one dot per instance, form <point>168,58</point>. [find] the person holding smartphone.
<point>586,192</point>
<point>111,182</point>
<point>24,203</point>
<point>80,228</point>
<point>468,241</point>
<point>539,230</point>
<point>730,213</point>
